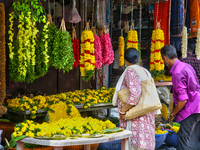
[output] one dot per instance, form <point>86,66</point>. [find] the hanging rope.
<point>49,7</point>
<point>63,9</point>
<point>54,12</point>
<point>86,10</point>
<point>185,12</point>
<point>131,11</point>
<point>157,22</point>
<point>121,15</point>
<point>93,13</point>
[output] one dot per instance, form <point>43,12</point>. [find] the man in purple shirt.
<point>186,99</point>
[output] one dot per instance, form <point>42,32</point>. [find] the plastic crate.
<point>8,129</point>
<point>112,145</point>
<point>159,139</point>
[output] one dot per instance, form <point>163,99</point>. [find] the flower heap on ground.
<point>107,50</point>
<point>197,50</point>
<point>68,127</point>
<point>75,46</point>
<point>121,50</point>
<point>184,43</point>
<point>97,50</point>
<point>85,97</point>
<point>87,58</point>
<point>156,61</point>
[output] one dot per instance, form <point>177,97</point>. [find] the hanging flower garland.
<point>121,49</point>
<point>156,61</point>
<point>97,50</point>
<point>132,41</point>
<point>3,109</point>
<point>87,58</point>
<point>75,46</point>
<point>197,51</point>
<point>107,50</point>
<point>184,43</point>
<point>62,54</point>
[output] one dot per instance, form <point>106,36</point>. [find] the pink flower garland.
<point>97,52</point>
<point>107,50</point>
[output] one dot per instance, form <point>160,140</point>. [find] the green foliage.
<point>155,73</point>
<point>25,6</point>
<point>14,65</point>
<point>88,75</point>
<point>62,54</point>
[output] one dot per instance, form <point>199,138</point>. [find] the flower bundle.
<point>107,50</point>
<point>97,50</point>
<point>2,59</point>
<point>121,50</point>
<point>62,54</point>
<point>184,43</point>
<point>87,60</point>
<point>156,61</point>
<point>197,51</point>
<point>132,40</point>
<point>75,46</point>
<point>67,127</point>
<point>165,111</point>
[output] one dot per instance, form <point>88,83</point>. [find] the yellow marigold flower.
<point>15,134</point>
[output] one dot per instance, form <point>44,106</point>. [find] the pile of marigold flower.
<point>67,127</point>
<point>86,98</point>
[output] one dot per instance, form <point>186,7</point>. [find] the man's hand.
<point>171,118</point>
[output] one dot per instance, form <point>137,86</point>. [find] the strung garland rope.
<point>184,43</point>
<point>75,46</point>
<point>87,60</point>
<point>3,109</point>
<point>156,61</point>
<point>121,49</point>
<point>197,51</point>
<point>62,54</point>
<point>97,49</point>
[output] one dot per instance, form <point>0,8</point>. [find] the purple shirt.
<point>185,87</point>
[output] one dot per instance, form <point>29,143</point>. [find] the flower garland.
<point>42,57</point>
<point>97,50</point>
<point>156,61</point>
<point>121,50</point>
<point>184,43</point>
<point>62,54</point>
<point>87,59</point>
<point>132,40</point>
<point>11,35</point>
<point>3,109</point>
<point>75,46</point>
<point>197,51</point>
<point>107,50</point>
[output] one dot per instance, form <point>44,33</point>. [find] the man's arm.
<point>178,108</point>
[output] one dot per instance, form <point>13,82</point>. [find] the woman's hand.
<point>122,117</point>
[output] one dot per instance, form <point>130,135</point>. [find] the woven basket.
<point>81,147</point>
<point>8,129</point>
<point>39,148</point>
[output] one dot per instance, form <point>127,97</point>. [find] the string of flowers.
<point>11,35</point>
<point>132,40</point>
<point>97,50</point>
<point>75,46</point>
<point>184,43</point>
<point>121,49</point>
<point>107,50</point>
<point>197,51</point>
<point>87,58</point>
<point>3,109</point>
<point>156,61</point>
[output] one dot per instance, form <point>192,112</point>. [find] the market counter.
<point>58,144</point>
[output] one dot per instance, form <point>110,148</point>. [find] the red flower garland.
<point>75,45</point>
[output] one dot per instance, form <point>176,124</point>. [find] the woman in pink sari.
<point>143,127</point>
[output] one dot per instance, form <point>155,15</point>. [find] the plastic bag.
<point>74,16</point>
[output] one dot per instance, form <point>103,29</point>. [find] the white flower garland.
<point>184,43</point>
<point>197,51</point>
